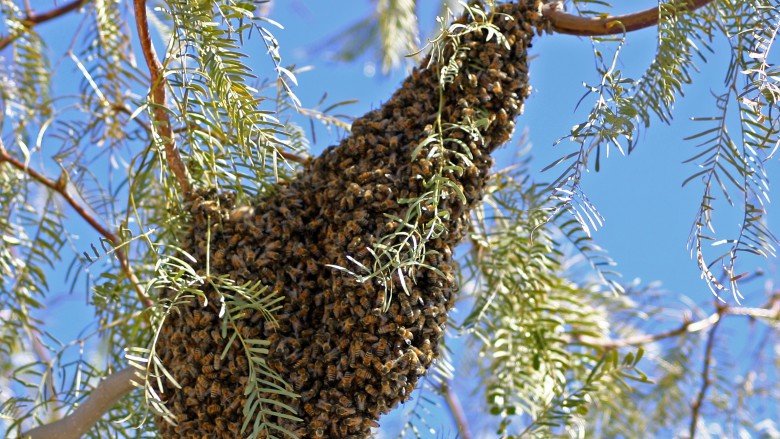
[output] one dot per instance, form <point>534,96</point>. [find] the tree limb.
<point>566,23</point>
<point>60,186</point>
<point>769,311</point>
<point>453,403</point>
<point>162,121</point>
<point>32,19</point>
<point>76,424</point>
<point>705,382</point>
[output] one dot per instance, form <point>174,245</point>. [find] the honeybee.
<point>324,406</point>
<point>362,374</point>
<point>370,319</point>
<point>345,411</point>
<point>387,328</point>
<point>331,375</point>
<point>214,390</point>
<point>346,380</point>
<point>353,422</point>
<point>386,389</point>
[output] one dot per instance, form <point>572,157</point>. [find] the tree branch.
<point>565,23</point>
<point>60,186</point>
<point>453,403</point>
<point>32,19</point>
<point>769,311</point>
<point>705,383</point>
<point>162,121</point>
<point>76,424</point>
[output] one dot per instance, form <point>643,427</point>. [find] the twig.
<point>32,19</point>
<point>565,23</point>
<point>453,403</point>
<point>769,311</point>
<point>60,186</point>
<point>105,395</point>
<point>705,382</point>
<point>162,121</point>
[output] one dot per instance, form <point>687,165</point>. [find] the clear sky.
<point>648,214</point>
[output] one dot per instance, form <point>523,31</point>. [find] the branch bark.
<point>76,424</point>
<point>566,23</point>
<point>162,121</point>
<point>32,19</point>
<point>60,186</point>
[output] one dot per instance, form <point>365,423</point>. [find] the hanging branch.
<point>60,186</point>
<point>78,423</point>
<point>162,121</point>
<point>565,23</point>
<point>32,19</point>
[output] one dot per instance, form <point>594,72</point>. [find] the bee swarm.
<point>349,361</point>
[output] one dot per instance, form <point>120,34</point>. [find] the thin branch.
<point>73,426</point>
<point>769,311</point>
<point>162,121</point>
<point>453,403</point>
<point>705,382</point>
<point>565,23</point>
<point>61,186</point>
<point>32,19</point>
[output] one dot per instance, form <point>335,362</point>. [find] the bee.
<point>386,389</point>
<point>201,387</point>
<point>345,411</point>
<point>370,320</point>
<point>324,406</point>
<point>387,328</point>
<point>309,409</point>
<point>360,401</point>
<point>331,375</point>
<point>381,345</point>
<point>217,362</point>
<point>362,374</point>
<point>214,390</point>
<point>405,334</point>
<point>371,390</point>
<point>353,422</point>
<point>346,380</point>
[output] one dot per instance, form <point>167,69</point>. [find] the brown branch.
<point>453,403</point>
<point>565,23</point>
<point>769,311</point>
<point>162,121</point>
<point>32,19</point>
<point>76,424</point>
<point>705,383</point>
<point>60,186</point>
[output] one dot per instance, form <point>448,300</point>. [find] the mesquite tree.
<point>256,290</point>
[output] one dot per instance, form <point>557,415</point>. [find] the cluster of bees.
<point>347,359</point>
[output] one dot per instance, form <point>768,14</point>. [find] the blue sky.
<point>648,214</point>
